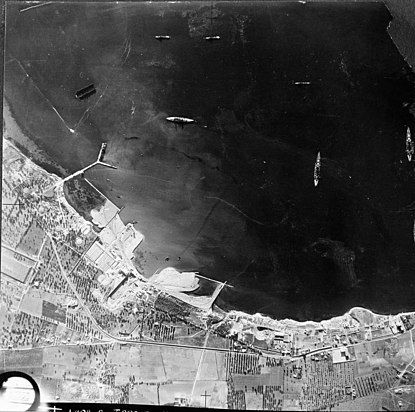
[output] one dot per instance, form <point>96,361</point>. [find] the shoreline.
<point>401,29</point>
<point>22,138</point>
<point>42,160</point>
<point>312,323</point>
<point>256,317</point>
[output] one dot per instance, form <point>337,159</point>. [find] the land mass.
<point>80,317</point>
<point>71,286</point>
<point>234,200</point>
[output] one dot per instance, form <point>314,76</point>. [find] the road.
<point>33,259</point>
<point>326,348</point>
<point>107,334</point>
<point>114,339</point>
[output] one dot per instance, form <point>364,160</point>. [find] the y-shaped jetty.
<point>79,172</point>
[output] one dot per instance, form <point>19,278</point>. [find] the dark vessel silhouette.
<point>86,92</point>
<point>211,37</point>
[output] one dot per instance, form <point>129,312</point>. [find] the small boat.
<point>317,167</point>
<point>410,145</point>
<point>212,38</point>
<point>181,121</point>
<point>161,38</point>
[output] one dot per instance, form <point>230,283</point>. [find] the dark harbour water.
<point>233,196</point>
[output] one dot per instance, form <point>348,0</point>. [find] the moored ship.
<point>410,146</point>
<point>317,167</point>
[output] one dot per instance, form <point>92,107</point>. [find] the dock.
<point>83,170</point>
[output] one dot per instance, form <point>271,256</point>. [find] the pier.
<point>81,171</point>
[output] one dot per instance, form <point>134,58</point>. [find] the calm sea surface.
<point>233,196</point>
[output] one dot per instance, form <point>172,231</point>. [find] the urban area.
<point>77,316</point>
